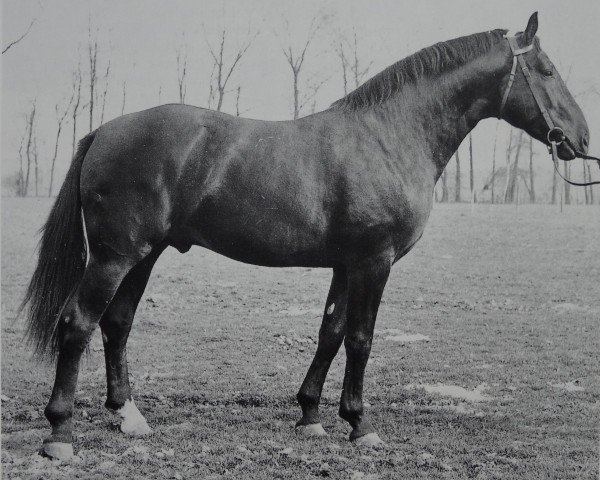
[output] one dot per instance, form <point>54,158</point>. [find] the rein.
<point>555,135</point>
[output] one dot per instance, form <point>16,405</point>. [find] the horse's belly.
<point>258,237</point>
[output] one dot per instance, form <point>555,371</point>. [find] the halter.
<point>555,135</point>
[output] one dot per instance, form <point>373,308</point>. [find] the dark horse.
<point>349,188</point>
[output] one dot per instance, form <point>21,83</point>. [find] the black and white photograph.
<point>277,239</point>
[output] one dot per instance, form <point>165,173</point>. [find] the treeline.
<point>512,177</point>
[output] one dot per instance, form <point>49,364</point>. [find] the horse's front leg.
<point>365,288</point>
<point>331,336</point>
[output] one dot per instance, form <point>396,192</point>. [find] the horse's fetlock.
<point>306,399</point>
<point>58,412</point>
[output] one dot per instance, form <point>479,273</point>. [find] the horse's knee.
<point>358,344</point>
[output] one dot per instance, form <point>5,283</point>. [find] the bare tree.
<point>77,81</point>
<point>222,71</point>
<point>105,91</point>
<point>14,42</point>
<point>124,98</point>
<point>589,179</point>
<point>471,170</point>
<point>444,178</point>
<point>508,152</point>
<point>30,145</point>
<point>296,60</point>
<point>586,189</point>
<point>237,101</point>
<point>554,187</point>
<point>358,71</point>
<point>34,154</point>
<point>457,186</point>
<point>513,171</point>
<point>181,74</point>
<point>494,161</point>
<point>531,173</point>
<point>351,64</point>
<point>344,61</point>
<point>93,62</point>
<point>60,118</point>
<point>21,175</point>
<point>567,186</point>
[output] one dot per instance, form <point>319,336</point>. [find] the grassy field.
<point>508,299</point>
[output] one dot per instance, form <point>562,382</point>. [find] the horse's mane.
<point>437,59</point>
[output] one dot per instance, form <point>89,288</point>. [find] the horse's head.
<point>538,100</point>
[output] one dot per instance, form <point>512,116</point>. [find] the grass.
<point>508,298</point>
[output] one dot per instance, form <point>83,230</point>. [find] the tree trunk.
<point>296,93</point>
<point>29,148</point>
<point>531,177</point>
<point>508,169</point>
<point>444,186</point>
<point>554,187</point>
<point>36,165</point>
<point>457,197</point>
<point>471,171</point>
<point>513,173</point>
<point>567,174</point>
<point>220,101</point>
<point>54,159</point>
<point>591,186</point>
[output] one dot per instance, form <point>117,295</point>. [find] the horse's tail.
<point>61,261</point>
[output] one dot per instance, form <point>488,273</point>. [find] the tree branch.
<point>14,42</point>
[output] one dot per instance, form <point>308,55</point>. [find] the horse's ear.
<point>532,26</point>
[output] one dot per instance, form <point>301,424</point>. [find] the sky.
<point>141,39</point>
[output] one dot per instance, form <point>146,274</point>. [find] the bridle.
<point>555,135</point>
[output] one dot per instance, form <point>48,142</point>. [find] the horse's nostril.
<point>585,140</point>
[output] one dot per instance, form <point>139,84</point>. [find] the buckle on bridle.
<point>555,136</point>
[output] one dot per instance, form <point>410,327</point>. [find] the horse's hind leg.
<point>78,320</point>
<point>116,324</point>
<point>331,336</point>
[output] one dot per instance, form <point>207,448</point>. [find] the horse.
<point>349,188</point>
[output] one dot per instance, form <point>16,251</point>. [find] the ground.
<point>484,362</point>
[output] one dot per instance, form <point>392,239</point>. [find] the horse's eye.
<point>547,73</point>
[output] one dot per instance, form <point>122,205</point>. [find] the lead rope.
<point>579,154</point>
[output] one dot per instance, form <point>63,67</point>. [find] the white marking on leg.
<point>312,430</point>
<point>133,422</point>
<point>331,309</point>
<point>58,450</point>
<point>85,237</point>
<point>371,440</point>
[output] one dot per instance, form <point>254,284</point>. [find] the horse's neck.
<point>436,114</point>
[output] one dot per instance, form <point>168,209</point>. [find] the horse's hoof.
<point>136,429</point>
<point>370,440</point>
<point>58,450</point>
<point>133,422</point>
<point>312,430</point>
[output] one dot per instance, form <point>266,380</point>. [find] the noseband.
<point>555,135</point>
